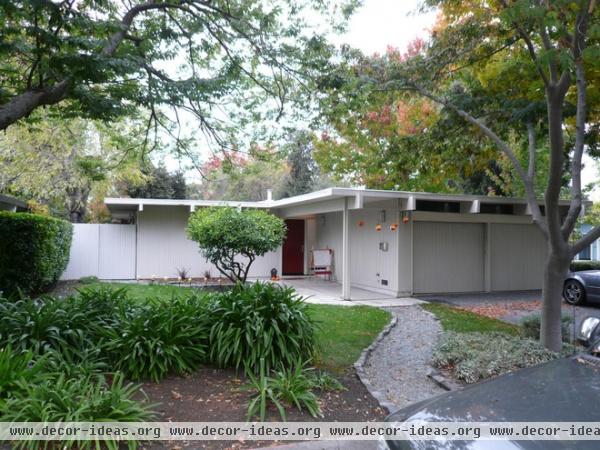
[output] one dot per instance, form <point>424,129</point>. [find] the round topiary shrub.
<point>34,251</point>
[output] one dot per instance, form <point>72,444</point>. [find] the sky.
<point>382,23</point>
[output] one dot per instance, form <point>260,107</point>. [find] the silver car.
<point>581,287</point>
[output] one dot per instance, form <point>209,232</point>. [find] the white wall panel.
<point>83,259</point>
<point>517,257</point>
<point>370,266</point>
<point>116,252</point>
<point>329,235</point>
<point>163,246</point>
<point>448,257</point>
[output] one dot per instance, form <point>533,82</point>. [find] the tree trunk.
<point>556,267</point>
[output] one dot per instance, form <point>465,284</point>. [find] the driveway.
<point>509,306</point>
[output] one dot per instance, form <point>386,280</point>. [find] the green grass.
<point>454,319</point>
<point>345,331</point>
<point>141,292</point>
<point>342,334</point>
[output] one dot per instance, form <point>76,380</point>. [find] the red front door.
<point>293,248</point>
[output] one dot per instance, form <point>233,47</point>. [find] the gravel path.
<point>398,366</point>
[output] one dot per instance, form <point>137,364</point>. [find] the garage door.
<point>448,257</point>
<point>517,257</point>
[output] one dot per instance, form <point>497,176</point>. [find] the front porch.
<point>324,292</point>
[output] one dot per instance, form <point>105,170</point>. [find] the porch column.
<point>345,252</point>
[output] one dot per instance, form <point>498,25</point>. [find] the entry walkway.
<point>330,293</point>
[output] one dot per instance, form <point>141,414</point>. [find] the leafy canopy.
<point>195,58</point>
<point>232,238</point>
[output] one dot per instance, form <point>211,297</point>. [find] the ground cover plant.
<point>471,357</point>
<point>475,347</point>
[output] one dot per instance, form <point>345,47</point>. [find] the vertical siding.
<point>448,257</point>
<point>404,283</point>
<point>163,246</point>
<point>517,257</point>
<point>370,265</point>
<point>83,259</point>
<point>329,235</point>
<point>116,252</point>
<point>310,241</point>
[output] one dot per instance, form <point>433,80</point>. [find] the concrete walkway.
<point>324,292</point>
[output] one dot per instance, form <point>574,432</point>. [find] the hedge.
<point>34,251</point>
<point>577,266</point>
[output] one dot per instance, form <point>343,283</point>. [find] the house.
<point>591,253</point>
<point>397,243</point>
<point>12,204</point>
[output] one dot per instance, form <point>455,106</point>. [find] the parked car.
<point>563,390</point>
<point>581,287</point>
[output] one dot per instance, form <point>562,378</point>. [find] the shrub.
<point>264,394</point>
<point>475,356</point>
<point>326,382</point>
<point>531,325</point>
<point>577,266</point>
<point>232,238</point>
<point>261,320</point>
<point>153,340</point>
<point>76,400</point>
<point>294,386</point>
<point>41,325</point>
<point>17,370</point>
<point>34,251</point>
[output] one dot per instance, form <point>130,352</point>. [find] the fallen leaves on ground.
<point>498,310</point>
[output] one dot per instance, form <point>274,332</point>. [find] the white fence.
<point>106,251</point>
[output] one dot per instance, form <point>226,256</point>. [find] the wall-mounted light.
<point>361,223</point>
<point>378,227</point>
<point>393,227</point>
<point>405,217</point>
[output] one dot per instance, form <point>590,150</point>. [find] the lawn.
<point>461,321</point>
<point>342,334</point>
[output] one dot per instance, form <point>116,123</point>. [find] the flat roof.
<point>8,200</point>
<point>124,204</point>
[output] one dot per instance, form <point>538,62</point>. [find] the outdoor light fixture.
<point>393,227</point>
<point>378,227</point>
<point>361,223</point>
<point>405,217</point>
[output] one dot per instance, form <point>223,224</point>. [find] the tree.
<point>235,176</point>
<point>304,175</point>
<point>62,163</point>
<point>158,183</point>
<point>544,54</point>
<point>104,60</point>
<point>232,238</point>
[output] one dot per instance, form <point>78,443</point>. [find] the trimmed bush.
<point>34,251</point>
<point>233,238</point>
<point>531,325</point>
<point>577,266</point>
<point>471,357</point>
<point>260,321</point>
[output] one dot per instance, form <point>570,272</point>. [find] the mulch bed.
<point>500,310</point>
<point>217,395</point>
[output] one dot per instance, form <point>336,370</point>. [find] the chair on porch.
<point>321,262</point>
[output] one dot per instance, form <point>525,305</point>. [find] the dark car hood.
<point>563,390</point>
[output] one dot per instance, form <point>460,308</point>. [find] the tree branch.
<point>585,241</point>
<point>531,167</point>
<point>503,147</point>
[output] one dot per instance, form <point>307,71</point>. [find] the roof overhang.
<point>332,198</point>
